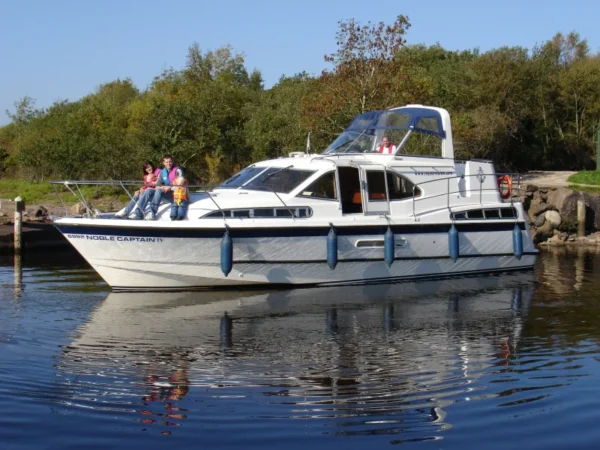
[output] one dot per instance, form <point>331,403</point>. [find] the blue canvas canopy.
<point>423,120</point>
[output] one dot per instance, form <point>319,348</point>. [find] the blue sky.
<point>59,49</point>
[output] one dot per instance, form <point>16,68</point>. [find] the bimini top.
<point>423,120</point>
<point>365,132</point>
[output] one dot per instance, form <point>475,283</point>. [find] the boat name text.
<point>114,238</point>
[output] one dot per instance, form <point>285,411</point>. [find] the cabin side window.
<point>323,188</point>
<point>400,188</point>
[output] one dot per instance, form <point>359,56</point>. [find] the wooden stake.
<point>19,208</point>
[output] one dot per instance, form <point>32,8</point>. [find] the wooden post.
<point>18,276</point>
<point>581,218</point>
<point>19,208</point>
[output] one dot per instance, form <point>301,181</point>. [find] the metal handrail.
<point>123,184</point>
<point>415,198</point>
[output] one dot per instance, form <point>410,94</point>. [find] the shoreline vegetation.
<point>524,109</point>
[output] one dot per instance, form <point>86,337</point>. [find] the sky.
<point>64,50</point>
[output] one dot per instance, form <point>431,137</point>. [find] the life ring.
<point>506,182</point>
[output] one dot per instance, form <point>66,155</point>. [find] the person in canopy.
<point>386,147</point>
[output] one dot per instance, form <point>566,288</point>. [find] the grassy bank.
<point>45,194</point>
<point>585,177</point>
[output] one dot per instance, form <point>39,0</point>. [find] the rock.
<point>558,196</point>
<point>41,212</point>
<point>572,238</point>
<point>539,221</point>
<point>553,217</point>
<point>77,209</point>
<point>548,207</point>
<point>2,214</point>
<point>546,229</point>
<point>531,188</point>
<point>535,207</point>
<point>544,197</point>
<point>556,241</point>
<point>543,190</point>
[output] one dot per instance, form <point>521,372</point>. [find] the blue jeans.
<point>141,200</point>
<point>159,196</point>
<point>178,212</point>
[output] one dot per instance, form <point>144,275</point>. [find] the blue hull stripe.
<point>273,232</point>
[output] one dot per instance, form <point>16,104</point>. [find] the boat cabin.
<point>355,175</point>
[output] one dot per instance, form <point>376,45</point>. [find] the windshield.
<point>275,179</point>
<point>240,178</point>
<point>352,142</point>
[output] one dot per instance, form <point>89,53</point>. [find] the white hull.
<point>143,263</point>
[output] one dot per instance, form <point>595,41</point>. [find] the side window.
<point>376,185</point>
<point>323,188</point>
<point>399,187</point>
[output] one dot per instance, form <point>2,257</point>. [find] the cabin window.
<point>399,187</point>
<point>477,214</point>
<point>241,213</point>
<point>322,188</point>
<point>260,213</point>
<point>264,212</point>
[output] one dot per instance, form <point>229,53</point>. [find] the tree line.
<point>523,108</point>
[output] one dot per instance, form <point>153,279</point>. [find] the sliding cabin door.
<point>374,190</point>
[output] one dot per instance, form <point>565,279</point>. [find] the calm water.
<point>498,362</point>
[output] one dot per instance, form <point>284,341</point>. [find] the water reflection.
<point>370,360</point>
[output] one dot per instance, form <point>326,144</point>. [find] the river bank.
<point>552,215</point>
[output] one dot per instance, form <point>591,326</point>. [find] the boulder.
<point>41,212</point>
<point>558,196</point>
<point>77,209</point>
<point>539,220</point>
<point>535,207</point>
<point>553,217</point>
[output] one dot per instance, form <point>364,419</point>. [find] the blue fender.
<point>453,243</point>
<point>389,246</point>
<point>517,241</point>
<point>226,253</point>
<point>332,248</point>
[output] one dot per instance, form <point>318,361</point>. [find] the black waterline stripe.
<point>103,230</point>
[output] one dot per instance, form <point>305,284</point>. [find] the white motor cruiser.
<point>358,212</point>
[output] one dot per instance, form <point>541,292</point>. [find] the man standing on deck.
<point>163,190</point>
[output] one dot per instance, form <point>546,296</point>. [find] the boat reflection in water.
<point>379,359</point>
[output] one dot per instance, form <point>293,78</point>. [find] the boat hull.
<point>147,259</point>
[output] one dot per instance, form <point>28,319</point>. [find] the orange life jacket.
<point>179,195</point>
